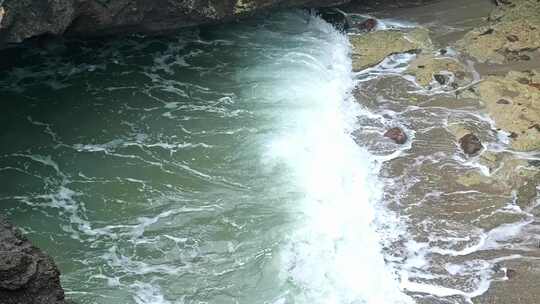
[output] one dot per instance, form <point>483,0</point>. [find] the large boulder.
<point>27,274</point>
<point>22,19</point>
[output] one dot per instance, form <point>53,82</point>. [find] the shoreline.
<point>470,112</point>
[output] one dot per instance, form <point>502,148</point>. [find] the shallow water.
<point>455,243</point>
<point>216,166</point>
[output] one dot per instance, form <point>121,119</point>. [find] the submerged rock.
<point>426,68</point>
<point>27,275</point>
<point>470,144</point>
<point>397,135</point>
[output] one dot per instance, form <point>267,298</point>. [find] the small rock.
<point>368,25</point>
<point>441,79</point>
<point>397,135</point>
<point>511,273</point>
<point>488,32</point>
<point>501,2</point>
<point>503,101</point>
<point>443,51</point>
<point>523,80</point>
<point>470,144</point>
<point>460,75</point>
<point>512,38</point>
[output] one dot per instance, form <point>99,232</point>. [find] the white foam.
<point>334,256</point>
<point>148,293</point>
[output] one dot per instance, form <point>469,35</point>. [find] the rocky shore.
<point>27,274</point>
<point>511,97</point>
<point>469,94</point>
<point>23,19</point>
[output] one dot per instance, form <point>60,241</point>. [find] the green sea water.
<point>212,166</point>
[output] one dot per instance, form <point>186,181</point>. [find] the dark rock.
<point>511,273</point>
<point>443,51</point>
<point>501,2</point>
<point>523,80</point>
<point>441,79</point>
<point>488,32</point>
<point>534,163</point>
<point>512,38</point>
<point>516,56</point>
<point>337,18</point>
<point>23,19</point>
<point>503,101</point>
<point>27,275</point>
<point>470,144</point>
<point>368,25</point>
<point>397,135</point>
<point>513,135</point>
<point>536,127</point>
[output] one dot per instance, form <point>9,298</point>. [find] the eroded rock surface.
<point>512,33</point>
<point>27,275</point>
<point>371,48</point>
<point>513,102</point>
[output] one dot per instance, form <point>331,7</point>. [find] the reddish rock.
<point>470,144</point>
<point>535,85</point>
<point>397,135</point>
<point>368,25</point>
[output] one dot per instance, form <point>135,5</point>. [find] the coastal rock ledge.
<point>23,19</point>
<point>27,275</point>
